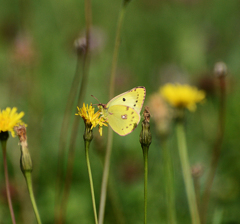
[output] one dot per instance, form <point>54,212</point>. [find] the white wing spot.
<point>124,116</point>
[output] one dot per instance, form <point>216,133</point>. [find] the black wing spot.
<point>127,127</point>
<point>130,124</point>
<point>134,105</point>
<point>122,129</point>
<point>124,99</point>
<point>132,117</point>
<point>132,113</point>
<point>127,108</point>
<point>136,101</point>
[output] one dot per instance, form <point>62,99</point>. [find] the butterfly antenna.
<point>95,98</point>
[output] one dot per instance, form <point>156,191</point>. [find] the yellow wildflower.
<point>89,117</point>
<point>9,118</point>
<point>182,96</point>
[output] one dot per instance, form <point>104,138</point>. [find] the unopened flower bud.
<point>220,69</point>
<point>145,135</point>
<point>197,170</point>
<point>80,45</point>
<point>25,159</point>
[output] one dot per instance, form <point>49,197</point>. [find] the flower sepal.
<point>4,135</point>
<point>88,135</point>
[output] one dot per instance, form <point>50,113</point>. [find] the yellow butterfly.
<point>123,111</point>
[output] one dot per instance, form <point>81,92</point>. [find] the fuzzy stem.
<point>30,189</point>
<point>186,169</point>
<point>110,132</point>
<point>87,143</point>
<point>4,149</point>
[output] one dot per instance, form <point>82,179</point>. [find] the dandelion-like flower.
<point>182,96</point>
<point>91,118</point>
<point>9,118</point>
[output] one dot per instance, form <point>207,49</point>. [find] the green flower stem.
<point>87,143</point>
<point>145,139</point>
<point>182,147</point>
<point>169,183</point>
<point>4,149</point>
<point>197,188</point>
<point>145,157</point>
<point>28,177</point>
<point>110,132</point>
<point>105,176</point>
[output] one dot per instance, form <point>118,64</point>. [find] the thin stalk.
<point>110,132</point>
<point>216,151</point>
<point>145,157</point>
<point>91,181</point>
<point>83,87</point>
<point>105,177</point>
<point>182,147</point>
<point>4,149</point>
<point>169,183</point>
<point>116,50</point>
<point>112,190</point>
<point>28,177</point>
<point>64,130</point>
<point>116,206</point>
<point>197,188</point>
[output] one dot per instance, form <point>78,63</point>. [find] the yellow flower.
<point>89,117</point>
<point>9,119</point>
<point>182,96</point>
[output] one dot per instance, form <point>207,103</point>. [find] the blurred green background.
<point>162,41</point>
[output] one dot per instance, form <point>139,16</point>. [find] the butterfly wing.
<point>133,98</point>
<point>122,119</point>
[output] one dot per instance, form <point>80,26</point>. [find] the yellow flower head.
<point>182,96</point>
<point>9,119</point>
<point>89,117</point>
